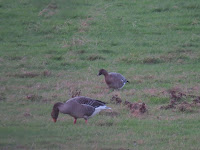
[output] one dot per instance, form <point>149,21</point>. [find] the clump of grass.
<point>58,57</point>
<point>34,97</point>
<point>159,100</point>
<point>160,10</point>
<point>26,75</point>
<point>127,60</point>
<point>80,52</point>
<point>151,60</point>
<point>105,51</point>
<point>2,96</point>
<point>13,57</point>
<point>46,73</point>
<point>104,124</point>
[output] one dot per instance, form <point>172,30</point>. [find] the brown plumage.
<point>78,107</point>
<point>113,80</point>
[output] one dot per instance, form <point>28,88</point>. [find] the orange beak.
<point>54,120</point>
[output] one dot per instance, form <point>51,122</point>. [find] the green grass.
<point>50,48</point>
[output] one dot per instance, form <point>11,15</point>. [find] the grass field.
<point>49,49</point>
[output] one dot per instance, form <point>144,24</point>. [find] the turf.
<point>49,49</point>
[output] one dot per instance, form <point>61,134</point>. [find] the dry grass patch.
<point>30,74</point>
<point>151,60</point>
<point>95,57</point>
<point>155,92</point>
<point>84,25</point>
<point>142,78</point>
<point>26,74</point>
<point>80,52</point>
<point>130,92</point>
<point>49,10</point>
<point>34,97</point>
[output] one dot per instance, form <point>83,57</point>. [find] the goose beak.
<point>54,120</point>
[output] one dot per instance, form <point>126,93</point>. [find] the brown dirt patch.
<point>137,109</point>
<point>116,99</point>
<point>178,100</point>
<point>75,92</point>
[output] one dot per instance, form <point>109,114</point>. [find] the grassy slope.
<point>155,44</point>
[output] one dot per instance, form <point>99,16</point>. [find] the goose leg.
<point>74,120</point>
<point>86,121</point>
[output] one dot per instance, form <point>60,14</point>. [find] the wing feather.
<point>90,102</point>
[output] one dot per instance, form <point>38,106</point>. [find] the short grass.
<point>50,48</point>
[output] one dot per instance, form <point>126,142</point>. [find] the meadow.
<point>51,49</point>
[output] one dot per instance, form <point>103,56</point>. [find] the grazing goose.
<point>113,80</point>
<point>78,107</point>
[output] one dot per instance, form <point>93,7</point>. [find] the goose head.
<point>102,72</point>
<point>55,111</point>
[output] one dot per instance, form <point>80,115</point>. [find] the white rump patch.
<point>122,85</point>
<point>98,109</point>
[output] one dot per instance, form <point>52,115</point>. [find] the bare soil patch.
<point>116,99</point>
<point>137,109</point>
<point>178,101</point>
<point>75,92</point>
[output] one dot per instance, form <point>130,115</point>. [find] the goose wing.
<point>89,101</point>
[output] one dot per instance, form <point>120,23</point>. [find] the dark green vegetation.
<point>48,49</point>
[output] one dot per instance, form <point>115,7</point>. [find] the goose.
<point>113,80</point>
<point>78,107</point>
